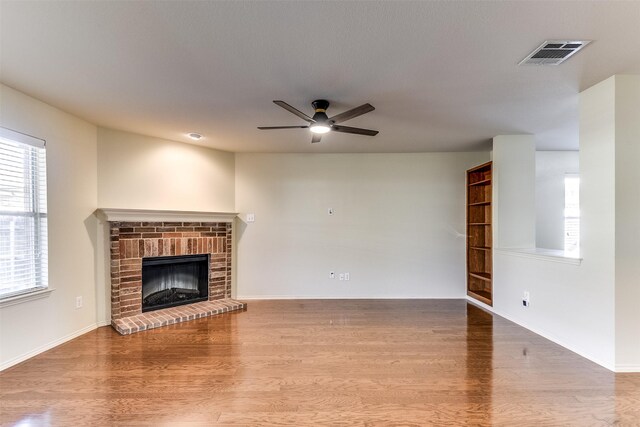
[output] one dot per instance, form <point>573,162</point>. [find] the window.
<point>23,214</point>
<point>571,213</point>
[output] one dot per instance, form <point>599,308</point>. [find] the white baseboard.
<point>627,368</point>
<point>545,334</point>
<point>288,297</point>
<point>49,346</point>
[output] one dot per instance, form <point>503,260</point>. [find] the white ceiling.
<point>443,76</point>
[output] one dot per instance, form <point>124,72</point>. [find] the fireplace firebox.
<point>169,281</point>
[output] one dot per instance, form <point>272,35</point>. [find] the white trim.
<point>551,255</point>
<point>627,368</point>
<point>544,334</point>
<point>314,297</point>
<point>25,297</point>
<point>23,138</point>
<point>11,362</point>
<point>480,304</point>
<point>150,215</point>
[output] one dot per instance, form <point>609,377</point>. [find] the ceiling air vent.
<point>554,52</point>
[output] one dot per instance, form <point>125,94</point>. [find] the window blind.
<point>571,213</point>
<point>23,214</point>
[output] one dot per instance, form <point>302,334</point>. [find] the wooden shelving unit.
<point>479,234</point>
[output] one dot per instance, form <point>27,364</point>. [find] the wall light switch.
<point>346,276</point>
<point>78,302</point>
<point>251,217</point>
<point>341,276</point>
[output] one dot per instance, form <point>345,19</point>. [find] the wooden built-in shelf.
<point>479,234</point>
<point>483,296</point>
<point>483,182</point>
<point>480,275</point>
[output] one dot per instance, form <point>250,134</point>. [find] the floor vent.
<point>554,52</point>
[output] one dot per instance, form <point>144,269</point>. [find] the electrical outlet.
<point>525,299</point>
<point>341,276</point>
<point>78,302</point>
<point>332,275</point>
<point>251,217</point>
<point>346,276</point>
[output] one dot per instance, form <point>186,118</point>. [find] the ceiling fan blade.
<point>358,131</point>
<point>293,110</point>
<point>355,112</point>
<point>316,138</point>
<point>281,127</point>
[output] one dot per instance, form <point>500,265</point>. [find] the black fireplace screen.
<point>174,280</point>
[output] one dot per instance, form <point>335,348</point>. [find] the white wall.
<point>32,326</point>
<point>574,304</point>
<point>513,170</point>
<point>597,211</point>
<point>565,306</point>
<point>551,168</point>
<point>398,227</point>
<point>142,172</point>
<point>627,208</point>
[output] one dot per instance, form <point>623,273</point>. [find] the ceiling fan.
<point>320,123</point>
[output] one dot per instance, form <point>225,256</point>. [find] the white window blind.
<point>571,213</point>
<point>23,214</point>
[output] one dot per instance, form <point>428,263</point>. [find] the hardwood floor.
<point>312,362</point>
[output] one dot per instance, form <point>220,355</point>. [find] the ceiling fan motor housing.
<point>320,106</point>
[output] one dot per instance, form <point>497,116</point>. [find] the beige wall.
<point>32,326</point>
<point>398,227</point>
<point>627,208</point>
<point>141,172</point>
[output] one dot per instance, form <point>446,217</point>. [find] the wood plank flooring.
<point>320,363</point>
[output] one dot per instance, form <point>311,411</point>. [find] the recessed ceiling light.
<point>195,136</point>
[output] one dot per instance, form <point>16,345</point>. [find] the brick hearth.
<point>169,316</point>
<point>131,241</point>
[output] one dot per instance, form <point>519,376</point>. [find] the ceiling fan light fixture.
<point>319,128</point>
<point>321,123</point>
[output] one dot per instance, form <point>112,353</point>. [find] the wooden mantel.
<point>151,215</point>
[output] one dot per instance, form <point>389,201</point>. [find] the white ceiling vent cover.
<point>554,52</point>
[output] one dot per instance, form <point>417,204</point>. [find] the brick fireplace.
<point>131,241</point>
